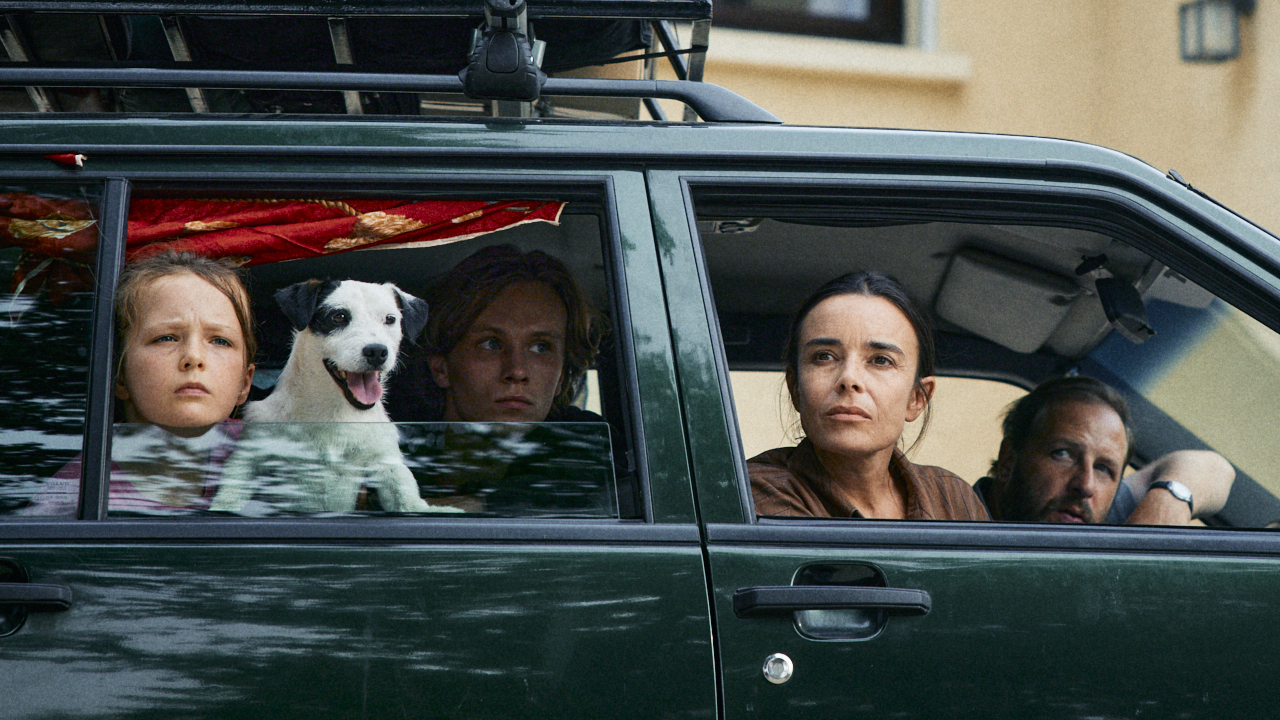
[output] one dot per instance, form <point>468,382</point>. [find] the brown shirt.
<point>791,481</point>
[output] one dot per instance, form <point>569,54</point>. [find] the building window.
<point>873,20</point>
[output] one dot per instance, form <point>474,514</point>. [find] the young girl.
<point>186,342</point>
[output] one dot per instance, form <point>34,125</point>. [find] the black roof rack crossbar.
<point>14,45</point>
<point>683,10</point>
<point>667,36</point>
<point>711,102</point>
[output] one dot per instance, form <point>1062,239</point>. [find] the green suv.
<point>613,566</point>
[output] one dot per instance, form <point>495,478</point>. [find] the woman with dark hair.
<point>859,366</point>
<point>509,338</point>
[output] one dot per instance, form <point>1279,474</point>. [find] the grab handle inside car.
<point>761,601</point>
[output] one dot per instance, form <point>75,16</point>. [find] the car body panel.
<point>427,617</point>
<point>334,617</point>
<point>469,629</point>
<point>1012,632</point>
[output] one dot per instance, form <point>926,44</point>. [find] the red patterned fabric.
<point>57,237</point>
<point>250,231</point>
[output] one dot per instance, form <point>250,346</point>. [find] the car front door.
<point>848,618</point>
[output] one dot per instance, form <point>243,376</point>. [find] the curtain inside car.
<point>58,236</point>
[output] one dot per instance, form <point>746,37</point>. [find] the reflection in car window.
<point>1213,369</point>
<point>269,469</point>
<point>409,242</point>
<point>273,460</point>
<point>48,239</point>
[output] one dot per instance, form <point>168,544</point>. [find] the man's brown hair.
<point>1021,416</point>
<point>463,293</point>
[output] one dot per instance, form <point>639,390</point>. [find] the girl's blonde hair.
<point>220,273</point>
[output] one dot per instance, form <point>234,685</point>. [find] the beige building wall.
<point>1100,71</point>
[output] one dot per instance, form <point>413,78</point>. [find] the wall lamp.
<point>1210,29</point>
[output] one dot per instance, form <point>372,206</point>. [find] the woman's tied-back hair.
<point>873,284</point>
<point>463,293</point>
<point>221,274</point>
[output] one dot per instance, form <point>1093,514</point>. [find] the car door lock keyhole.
<point>778,668</point>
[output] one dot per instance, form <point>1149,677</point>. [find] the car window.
<point>340,430</point>
<point>1215,380</point>
<point>290,469</point>
<point>47,240</point>
<point>1014,303</point>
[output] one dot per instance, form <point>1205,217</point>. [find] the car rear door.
<point>336,616</point>
<point>839,618</point>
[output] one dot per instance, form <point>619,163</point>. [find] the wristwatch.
<point>1178,490</point>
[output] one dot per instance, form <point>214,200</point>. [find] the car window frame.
<point>624,248</point>
<point>1213,246</point>
<point>111,207</point>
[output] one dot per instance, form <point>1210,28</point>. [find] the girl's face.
<point>184,364</point>
<point>855,384</point>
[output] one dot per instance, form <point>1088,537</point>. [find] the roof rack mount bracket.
<point>505,58</point>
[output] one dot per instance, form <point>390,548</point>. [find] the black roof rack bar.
<point>685,10</point>
<point>711,102</point>
<point>651,73</point>
<point>699,37</point>
<point>181,52</point>
<point>341,41</point>
<point>655,110</point>
<point>690,69</point>
<point>667,36</point>
<point>15,47</point>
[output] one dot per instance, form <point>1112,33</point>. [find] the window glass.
<point>48,239</point>
<point>874,20</point>
<point>1211,368</point>
<point>278,469</point>
<point>414,355</point>
<point>1018,303</point>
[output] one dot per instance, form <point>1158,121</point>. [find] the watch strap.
<point>1178,490</point>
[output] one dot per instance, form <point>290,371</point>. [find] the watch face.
<point>1175,488</point>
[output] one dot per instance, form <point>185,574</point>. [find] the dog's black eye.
<point>342,317</point>
<point>391,319</point>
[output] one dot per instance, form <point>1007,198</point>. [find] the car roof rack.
<point>355,57</point>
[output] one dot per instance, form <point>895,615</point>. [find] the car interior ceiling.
<point>965,273</point>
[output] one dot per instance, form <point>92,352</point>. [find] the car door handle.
<point>758,601</point>
<point>36,598</point>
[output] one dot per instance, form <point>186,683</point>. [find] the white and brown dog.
<point>336,437</point>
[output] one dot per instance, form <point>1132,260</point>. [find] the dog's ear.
<point>415,314</point>
<point>298,301</point>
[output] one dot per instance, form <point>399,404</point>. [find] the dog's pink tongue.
<point>365,387</point>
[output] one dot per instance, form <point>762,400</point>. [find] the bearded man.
<point>1065,448</point>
